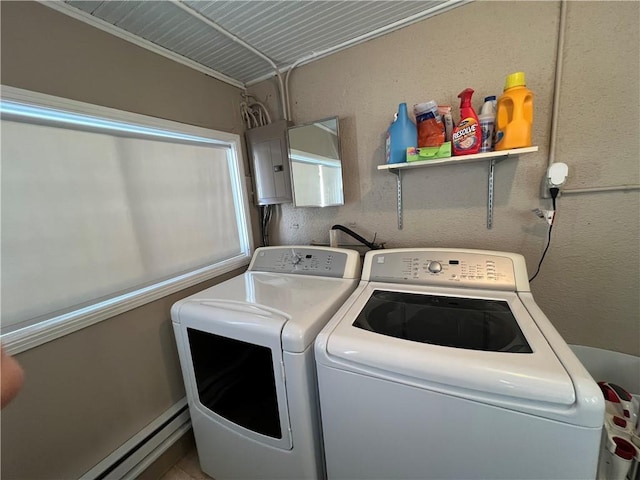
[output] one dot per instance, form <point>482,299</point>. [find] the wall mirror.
<point>316,164</point>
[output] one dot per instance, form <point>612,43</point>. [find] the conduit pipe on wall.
<point>239,41</point>
<point>556,108</point>
<point>612,188</point>
<point>556,83</point>
<point>286,79</point>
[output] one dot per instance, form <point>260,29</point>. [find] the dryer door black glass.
<point>235,380</point>
<point>468,323</point>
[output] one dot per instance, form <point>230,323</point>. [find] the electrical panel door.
<point>269,153</point>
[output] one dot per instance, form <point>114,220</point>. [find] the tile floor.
<point>187,468</point>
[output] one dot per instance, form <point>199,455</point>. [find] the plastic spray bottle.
<point>401,135</point>
<point>467,135</point>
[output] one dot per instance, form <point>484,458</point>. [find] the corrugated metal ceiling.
<point>202,33</point>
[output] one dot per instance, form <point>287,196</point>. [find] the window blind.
<point>90,213</point>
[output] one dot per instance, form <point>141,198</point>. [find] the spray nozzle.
<point>465,97</point>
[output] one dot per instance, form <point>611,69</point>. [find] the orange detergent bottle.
<point>514,114</point>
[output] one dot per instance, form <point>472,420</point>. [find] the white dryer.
<point>246,352</point>
<point>441,365</point>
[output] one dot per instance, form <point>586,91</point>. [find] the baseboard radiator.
<point>141,450</point>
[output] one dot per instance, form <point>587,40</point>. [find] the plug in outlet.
<point>556,177</point>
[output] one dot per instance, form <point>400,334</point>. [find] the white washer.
<point>441,365</point>
<point>246,352</point>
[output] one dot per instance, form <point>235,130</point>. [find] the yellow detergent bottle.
<point>514,114</point>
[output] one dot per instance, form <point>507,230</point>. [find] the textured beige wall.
<point>589,282</point>
<point>87,393</point>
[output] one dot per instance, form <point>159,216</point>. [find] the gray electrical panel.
<point>269,154</point>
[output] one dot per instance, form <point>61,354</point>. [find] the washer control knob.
<point>296,259</point>
<point>435,267</point>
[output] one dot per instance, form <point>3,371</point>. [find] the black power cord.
<point>553,191</point>
<point>351,233</point>
<point>265,218</point>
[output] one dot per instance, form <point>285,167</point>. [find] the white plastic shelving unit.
<point>492,157</point>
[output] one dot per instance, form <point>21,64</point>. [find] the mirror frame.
<point>340,159</point>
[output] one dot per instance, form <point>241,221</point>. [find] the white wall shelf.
<point>492,157</point>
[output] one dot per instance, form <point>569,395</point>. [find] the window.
<point>103,211</point>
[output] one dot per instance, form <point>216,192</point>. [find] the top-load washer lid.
<point>474,340</point>
<point>469,323</point>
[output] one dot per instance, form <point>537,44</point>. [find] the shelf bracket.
<point>492,164</point>
<point>490,190</point>
<point>399,200</point>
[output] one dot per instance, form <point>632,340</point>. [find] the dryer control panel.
<point>307,260</point>
<point>446,267</point>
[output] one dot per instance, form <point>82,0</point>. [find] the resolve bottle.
<point>401,135</point>
<point>467,135</point>
<point>514,114</point>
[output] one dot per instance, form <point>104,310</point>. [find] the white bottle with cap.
<point>487,120</point>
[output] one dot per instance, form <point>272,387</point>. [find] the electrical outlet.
<point>555,177</point>
<point>547,215</point>
<point>557,174</point>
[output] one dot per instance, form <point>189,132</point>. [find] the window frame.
<point>49,329</point>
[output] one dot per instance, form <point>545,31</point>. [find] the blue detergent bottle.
<point>401,135</point>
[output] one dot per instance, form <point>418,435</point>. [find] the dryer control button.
<point>435,267</point>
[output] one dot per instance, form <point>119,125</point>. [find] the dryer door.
<point>232,356</point>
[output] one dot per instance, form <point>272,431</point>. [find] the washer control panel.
<point>324,262</point>
<point>441,267</point>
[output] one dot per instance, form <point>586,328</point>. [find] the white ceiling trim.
<point>123,34</point>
